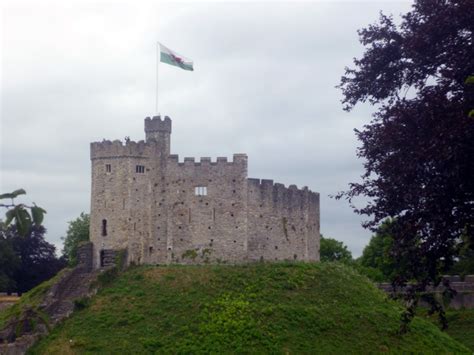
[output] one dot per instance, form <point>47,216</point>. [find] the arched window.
<point>104,227</point>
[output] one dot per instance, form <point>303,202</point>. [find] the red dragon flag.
<point>169,57</point>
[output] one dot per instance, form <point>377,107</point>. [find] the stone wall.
<point>147,200</point>
<point>463,286</point>
<point>283,223</point>
<point>214,224</point>
<point>85,257</point>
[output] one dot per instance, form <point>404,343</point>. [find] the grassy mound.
<point>260,308</point>
<point>460,325</point>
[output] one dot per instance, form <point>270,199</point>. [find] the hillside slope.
<point>260,308</point>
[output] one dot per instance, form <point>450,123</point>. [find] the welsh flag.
<point>169,57</point>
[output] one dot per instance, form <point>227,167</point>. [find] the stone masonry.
<point>161,210</point>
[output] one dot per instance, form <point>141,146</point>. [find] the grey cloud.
<point>76,72</point>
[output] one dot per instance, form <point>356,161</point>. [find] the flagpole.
<point>157,66</point>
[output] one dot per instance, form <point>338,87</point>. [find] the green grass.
<point>460,325</point>
<point>261,308</point>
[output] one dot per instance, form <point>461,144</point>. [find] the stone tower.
<point>160,132</point>
<point>165,211</point>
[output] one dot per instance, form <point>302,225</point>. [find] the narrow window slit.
<point>104,227</point>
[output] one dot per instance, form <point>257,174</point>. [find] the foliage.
<point>190,254</point>
<point>121,259</point>
<point>77,232</point>
<point>332,250</point>
<point>35,259</point>
<point>259,308</point>
<point>372,273</point>
<point>26,259</point>
<point>461,324</point>
<point>464,265</point>
<point>81,303</point>
<point>107,276</point>
<point>24,216</point>
<point>9,263</point>
<point>377,254</point>
<point>419,146</point>
<point>284,223</point>
<point>470,88</point>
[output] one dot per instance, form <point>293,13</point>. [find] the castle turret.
<point>159,130</point>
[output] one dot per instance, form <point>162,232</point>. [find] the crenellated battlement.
<point>276,194</point>
<point>156,124</point>
<point>119,149</point>
<point>220,161</point>
<point>268,183</point>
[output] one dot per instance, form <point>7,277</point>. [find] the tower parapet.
<point>277,195</point>
<point>159,130</point>
<point>117,149</point>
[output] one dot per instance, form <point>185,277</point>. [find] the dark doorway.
<point>102,253</point>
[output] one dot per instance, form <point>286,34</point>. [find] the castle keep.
<point>164,211</point>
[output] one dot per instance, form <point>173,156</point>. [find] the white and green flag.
<point>169,57</point>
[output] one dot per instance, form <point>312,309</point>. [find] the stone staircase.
<point>60,302</point>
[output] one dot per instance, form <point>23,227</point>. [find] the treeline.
<point>378,261</point>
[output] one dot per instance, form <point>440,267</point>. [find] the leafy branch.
<point>22,215</point>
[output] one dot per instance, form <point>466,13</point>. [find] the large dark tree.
<point>35,257</point>
<point>419,147</point>
<point>23,218</point>
<point>9,264</point>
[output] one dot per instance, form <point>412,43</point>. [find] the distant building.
<point>164,211</point>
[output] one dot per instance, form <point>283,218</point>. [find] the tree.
<point>9,264</point>
<point>77,232</point>
<point>332,250</point>
<point>23,217</point>
<point>418,148</point>
<point>38,261</point>
<point>377,254</point>
<point>36,258</point>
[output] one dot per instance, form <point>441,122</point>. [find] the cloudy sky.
<point>73,72</point>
